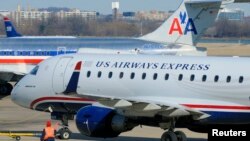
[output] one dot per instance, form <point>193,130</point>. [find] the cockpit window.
<point>34,71</point>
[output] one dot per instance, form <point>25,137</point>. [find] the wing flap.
<point>146,107</point>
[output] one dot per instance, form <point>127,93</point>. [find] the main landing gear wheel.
<point>180,136</point>
<point>174,136</point>
<point>64,133</point>
<point>169,136</point>
<point>5,89</point>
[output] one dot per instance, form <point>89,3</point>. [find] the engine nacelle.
<point>102,122</point>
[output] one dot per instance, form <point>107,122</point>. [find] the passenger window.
<point>88,74</point>
<point>216,78</point>
<point>121,75</point>
<point>143,75</point>
<point>110,74</point>
<point>204,78</point>
<point>241,79</point>
<point>180,77</point>
<point>166,76</point>
<point>34,71</point>
<point>155,76</point>
<point>132,76</point>
<point>99,74</point>
<point>228,79</point>
<point>192,77</point>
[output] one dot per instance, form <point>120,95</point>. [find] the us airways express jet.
<point>177,35</point>
<point>153,90</point>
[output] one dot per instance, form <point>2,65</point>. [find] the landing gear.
<point>170,135</point>
<point>5,88</point>
<point>173,136</point>
<point>181,136</point>
<point>64,133</point>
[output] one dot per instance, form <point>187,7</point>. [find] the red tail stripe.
<point>218,107</point>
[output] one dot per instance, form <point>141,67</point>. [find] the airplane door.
<point>61,50</point>
<point>59,73</point>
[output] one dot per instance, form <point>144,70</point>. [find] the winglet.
<point>73,82</point>
<point>10,29</point>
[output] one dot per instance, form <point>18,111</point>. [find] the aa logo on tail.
<point>177,23</point>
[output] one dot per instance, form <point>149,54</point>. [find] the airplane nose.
<point>18,96</point>
<point>15,94</point>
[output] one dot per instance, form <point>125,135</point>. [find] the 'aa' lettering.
<point>175,27</point>
<point>190,27</point>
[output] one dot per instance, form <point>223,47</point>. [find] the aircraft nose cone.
<point>18,96</point>
<point>14,95</point>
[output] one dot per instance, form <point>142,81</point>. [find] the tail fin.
<point>188,22</point>
<point>10,29</point>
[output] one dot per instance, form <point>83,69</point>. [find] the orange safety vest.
<point>49,133</point>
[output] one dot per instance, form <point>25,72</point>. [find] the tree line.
<point>77,26</point>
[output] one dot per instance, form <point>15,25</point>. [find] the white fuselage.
<point>230,93</point>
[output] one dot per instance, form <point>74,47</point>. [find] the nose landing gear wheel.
<point>64,133</point>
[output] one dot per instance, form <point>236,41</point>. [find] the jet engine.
<point>101,122</point>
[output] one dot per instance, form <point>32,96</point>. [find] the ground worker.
<point>48,133</point>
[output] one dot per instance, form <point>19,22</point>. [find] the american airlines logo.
<point>176,26</point>
<point>8,28</point>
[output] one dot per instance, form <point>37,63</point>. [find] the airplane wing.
<point>148,107</point>
<point>7,76</point>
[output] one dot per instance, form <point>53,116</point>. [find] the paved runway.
<point>13,117</point>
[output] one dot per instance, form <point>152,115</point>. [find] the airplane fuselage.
<point>216,86</point>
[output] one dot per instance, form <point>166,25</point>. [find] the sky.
<point>104,6</point>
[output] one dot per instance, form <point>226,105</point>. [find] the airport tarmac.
<point>16,118</point>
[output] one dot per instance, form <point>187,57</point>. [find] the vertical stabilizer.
<point>187,23</point>
<point>10,29</point>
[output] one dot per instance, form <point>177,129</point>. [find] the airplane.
<point>64,107</point>
<point>178,35</point>
<point>12,33</point>
<point>160,91</point>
